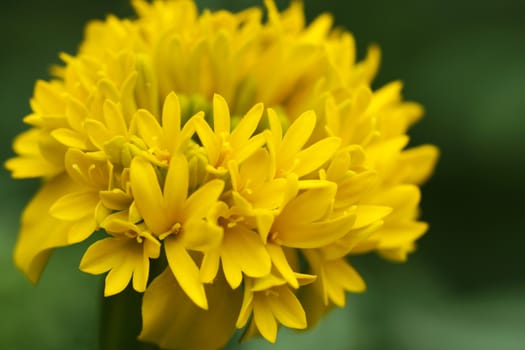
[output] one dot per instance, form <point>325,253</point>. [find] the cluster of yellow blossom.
<point>234,164</point>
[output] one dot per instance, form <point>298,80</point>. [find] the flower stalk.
<point>121,322</point>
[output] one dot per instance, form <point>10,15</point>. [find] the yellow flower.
<point>220,144</point>
<point>183,222</point>
<point>272,302</point>
<point>126,254</point>
<point>234,164</point>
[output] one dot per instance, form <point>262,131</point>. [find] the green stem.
<point>121,322</point>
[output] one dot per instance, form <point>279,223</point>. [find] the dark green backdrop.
<point>465,286</point>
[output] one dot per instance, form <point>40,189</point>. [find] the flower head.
<point>235,165</point>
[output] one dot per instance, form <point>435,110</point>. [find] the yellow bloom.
<point>183,223</point>
<point>234,164</point>
<point>271,301</point>
<point>220,144</point>
<point>126,254</point>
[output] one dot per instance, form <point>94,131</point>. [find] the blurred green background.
<point>465,286</point>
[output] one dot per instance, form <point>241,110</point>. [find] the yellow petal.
<point>81,229</point>
<point>171,120</point>
<point>275,127</point>
<point>209,140</point>
<point>244,250</point>
<point>97,132</point>
<point>298,133</point>
<point>148,196</point>
<point>246,127</point>
<point>232,272</point>
<point>102,255</point>
<point>246,308</point>
<point>264,222</point>
<point>172,321</point>
<point>243,151</point>
<point>316,155</point>
<point>200,203</point>
<point>399,234</point>
<point>74,206</point>
<point>114,119</point>
<point>141,269</point>
<point>368,214</point>
<point>69,138</point>
<point>255,169</point>
<point>115,199</point>
<point>418,163</point>
<point>210,266</point>
<point>345,275</point>
<point>39,231</point>
<point>185,271</point>
<point>29,167</point>
<point>317,234</point>
<point>176,186</point>
<point>309,206</point>
<point>31,162</point>
<point>201,235</point>
<point>221,115</point>
<point>118,278</point>
<point>149,129</point>
<point>286,308</point>
<point>403,198</point>
<point>281,264</point>
<point>264,319</point>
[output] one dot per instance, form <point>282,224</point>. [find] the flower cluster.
<point>233,164</point>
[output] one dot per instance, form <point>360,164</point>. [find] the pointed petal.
<point>246,127</point>
<point>298,133</point>
<point>286,308</point>
<point>246,308</point>
<point>209,139</point>
<point>171,121</point>
<point>114,119</point>
<point>345,275</point>
<point>281,264</point>
<point>232,272</point>
<point>275,127</point>
<point>221,115</point>
<point>176,186</point>
<point>316,155</point>
<point>309,206</point>
<point>418,163</point>
<point>242,152</point>
<point>102,255</point>
<point>118,278</point>
<point>148,196</point>
<point>209,266</point>
<point>149,129</point>
<point>185,271</point>
<point>264,319</point>
<point>200,202</point>
<point>317,234</point>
